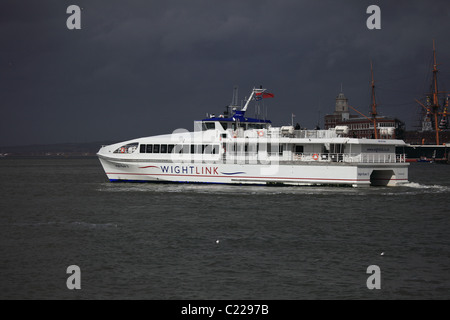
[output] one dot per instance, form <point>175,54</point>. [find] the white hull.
<point>309,173</point>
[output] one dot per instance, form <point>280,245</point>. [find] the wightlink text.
<point>204,170</point>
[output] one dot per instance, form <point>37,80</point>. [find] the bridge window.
<point>224,125</point>
<point>208,126</point>
<point>128,148</point>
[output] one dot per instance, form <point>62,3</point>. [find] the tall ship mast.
<point>374,104</point>
<point>371,126</point>
<point>435,109</point>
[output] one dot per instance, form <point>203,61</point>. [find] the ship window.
<point>208,126</point>
<point>164,148</point>
<point>261,147</point>
<point>211,149</point>
<point>208,149</point>
<point>224,125</point>
<point>255,126</point>
<point>298,149</point>
<point>156,148</point>
<point>273,148</point>
<point>170,148</point>
<point>142,148</point>
<point>178,148</point>
<point>280,149</point>
<point>336,148</point>
<point>149,148</point>
<point>192,148</point>
<point>128,148</point>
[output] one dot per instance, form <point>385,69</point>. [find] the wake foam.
<point>423,186</point>
<point>426,188</point>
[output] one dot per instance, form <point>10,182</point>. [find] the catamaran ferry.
<point>235,149</point>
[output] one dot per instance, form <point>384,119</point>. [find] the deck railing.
<point>263,157</point>
<point>253,157</point>
<point>352,157</point>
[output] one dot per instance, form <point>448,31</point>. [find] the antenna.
<point>318,112</point>
<point>234,100</point>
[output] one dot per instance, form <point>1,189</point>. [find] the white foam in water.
<point>426,188</point>
<point>423,186</point>
<point>414,188</point>
<point>93,225</point>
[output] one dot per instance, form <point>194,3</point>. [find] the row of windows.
<point>208,149</point>
<point>203,148</point>
<point>156,148</point>
<point>357,126</point>
<point>179,148</point>
<point>232,125</point>
<point>265,147</point>
<point>367,125</point>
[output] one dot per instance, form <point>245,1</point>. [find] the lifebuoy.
<point>260,133</point>
<point>315,156</point>
<point>122,150</point>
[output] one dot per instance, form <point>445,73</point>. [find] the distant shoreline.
<point>60,150</point>
<point>24,157</point>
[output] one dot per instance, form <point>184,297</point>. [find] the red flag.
<point>263,95</point>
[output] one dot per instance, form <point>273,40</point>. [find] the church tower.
<point>341,107</point>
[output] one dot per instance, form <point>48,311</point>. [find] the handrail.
<point>351,157</point>
<point>322,157</point>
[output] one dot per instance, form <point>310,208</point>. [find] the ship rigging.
<point>435,109</point>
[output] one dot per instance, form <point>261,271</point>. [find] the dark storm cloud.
<point>140,68</point>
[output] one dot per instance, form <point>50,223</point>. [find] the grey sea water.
<point>189,241</point>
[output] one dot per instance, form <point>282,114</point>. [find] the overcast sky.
<point>139,68</point>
